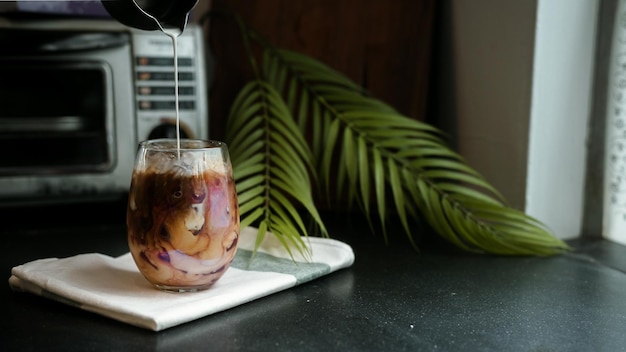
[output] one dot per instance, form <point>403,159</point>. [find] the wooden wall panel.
<point>383,45</point>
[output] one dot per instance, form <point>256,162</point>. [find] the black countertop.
<point>391,299</point>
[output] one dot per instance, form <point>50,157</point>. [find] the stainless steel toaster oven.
<point>76,97</point>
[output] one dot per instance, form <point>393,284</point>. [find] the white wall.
<point>519,97</point>
<point>561,105</point>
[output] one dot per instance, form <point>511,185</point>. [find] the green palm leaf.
<point>366,146</point>
<point>272,164</point>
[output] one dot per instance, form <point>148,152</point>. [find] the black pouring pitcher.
<point>151,14</point>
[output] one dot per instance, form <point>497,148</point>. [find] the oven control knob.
<point>167,131</point>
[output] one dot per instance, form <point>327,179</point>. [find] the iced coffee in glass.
<point>182,216</point>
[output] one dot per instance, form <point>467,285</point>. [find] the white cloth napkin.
<point>113,287</point>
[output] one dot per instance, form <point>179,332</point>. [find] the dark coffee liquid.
<point>183,229</point>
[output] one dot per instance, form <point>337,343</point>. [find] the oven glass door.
<point>53,116</point>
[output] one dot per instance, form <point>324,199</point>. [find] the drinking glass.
<point>182,216</point>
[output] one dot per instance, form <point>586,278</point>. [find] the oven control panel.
<point>154,80</point>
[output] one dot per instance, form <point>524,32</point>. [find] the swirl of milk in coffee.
<point>183,223</point>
